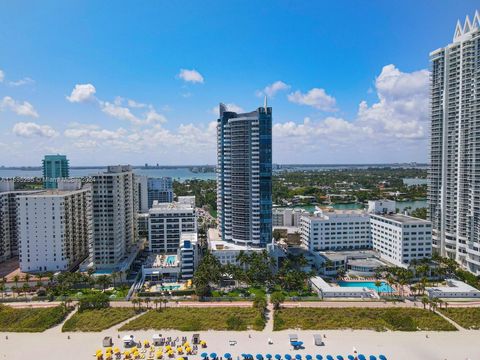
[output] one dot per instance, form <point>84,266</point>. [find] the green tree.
<point>277,298</point>
<point>96,300</point>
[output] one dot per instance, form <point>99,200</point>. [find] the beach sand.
<point>54,345</point>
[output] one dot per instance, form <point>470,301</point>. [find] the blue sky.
<point>351,77</point>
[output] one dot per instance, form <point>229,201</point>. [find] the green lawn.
<point>241,293</point>
<point>196,319</point>
<point>468,318</point>
<point>360,318</point>
<point>97,320</point>
<point>30,320</point>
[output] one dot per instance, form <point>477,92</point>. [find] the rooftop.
<point>403,219</point>
<point>161,261</point>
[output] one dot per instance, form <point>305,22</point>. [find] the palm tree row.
<point>147,301</point>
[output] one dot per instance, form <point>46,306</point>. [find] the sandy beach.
<point>55,345</point>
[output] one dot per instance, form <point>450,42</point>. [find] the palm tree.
<point>425,301</point>
<point>2,288</point>
<point>147,301</point>
<point>378,283</point>
<point>134,302</point>
<point>114,276</point>
<point>25,289</point>
<point>165,301</point>
<point>155,302</point>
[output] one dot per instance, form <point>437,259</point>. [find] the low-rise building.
<point>400,238</point>
<point>287,216</point>
<point>453,289</point>
<point>325,290</point>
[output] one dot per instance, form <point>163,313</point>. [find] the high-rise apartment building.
<point>8,219</point>
<point>168,221</point>
<point>54,229</point>
<point>54,167</point>
<point>114,216</point>
<point>141,190</point>
<point>160,190</point>
<point>454,177</point>
<point>244,176</point>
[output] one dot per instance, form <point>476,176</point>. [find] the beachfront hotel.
<point>454,177</point>
<point>54,167</point>
<point>114,215</point>
<point>54,228</point>
<point>244,176</point>
<point>168,221</point>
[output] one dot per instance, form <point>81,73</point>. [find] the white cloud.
<point>272,89</point>
<point>316,98</point>
<point>31,129</point>
<point>134,104</point>
<point>2,75</point>
<point>81,93</point>
<point>152,117</point>
<point>25,108</point>
<point>190,76</point>
<point>94,132</point>
<point>119,112</point>
<point>230,107</point>
<point>392,129</point>
<point>21,82</point>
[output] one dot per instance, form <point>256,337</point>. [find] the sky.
<point>109,82</point>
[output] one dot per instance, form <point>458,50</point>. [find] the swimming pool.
<point>171,259</point>
<point>384,287</point>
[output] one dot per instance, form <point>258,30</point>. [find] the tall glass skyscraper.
<point>244,176</point>
<point>54,167</point>
<point>454,176</point>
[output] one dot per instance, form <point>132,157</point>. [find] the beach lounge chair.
<point>317,339</point>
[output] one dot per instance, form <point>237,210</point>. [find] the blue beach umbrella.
<point>362,357</point>
<point>340,357</point>
<point>382,357</point>
<point>319,357</point>
<point>268,356</point>
<point>330,357</point>
<point>259,357</point>
<point>308,357</point>
<point>288,356</point>
<point>373,357</point>
<point>351,357</point>
<point>278,356</point>
<point>213,355</point>
<point>227,356</point>
<point>204,355</point>
<point>298,357</point>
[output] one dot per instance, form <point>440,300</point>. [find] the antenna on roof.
<point>265,103</point>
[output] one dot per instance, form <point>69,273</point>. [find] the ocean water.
<point>180,174</point>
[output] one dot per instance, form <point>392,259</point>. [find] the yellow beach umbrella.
<point>168,348</point>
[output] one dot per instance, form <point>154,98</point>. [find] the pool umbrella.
<point>259,357</point>
<point>382,357</point>
<point>308,357</point>
<point>298,357</point>
<point>278,356</point>
<point>204,355</point>
<point>268,356</point>
<point>351,357</point>
<point>373,357</point>
<point>213,355</point>
<point>319,357</point>
<point>330,357</point>
<point>227,356</point>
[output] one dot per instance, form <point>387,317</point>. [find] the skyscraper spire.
<point>265,103</point>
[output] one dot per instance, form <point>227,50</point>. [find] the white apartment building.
<point>336,230</point>
<point>287,217</point>
<point>114,216</point>
<point>8,219</point>
<point>454,176</point>
<point>400,239</point>
<point>54,229</point>
<point>167,222</point>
